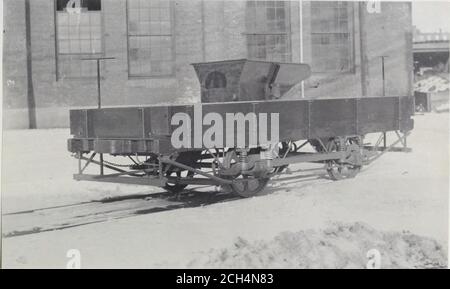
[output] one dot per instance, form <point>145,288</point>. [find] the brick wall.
<point>387,33</point>
<point>203,31</point>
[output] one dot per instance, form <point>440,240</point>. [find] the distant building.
<point>154,42</point>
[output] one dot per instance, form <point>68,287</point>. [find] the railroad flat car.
<point>222,141</point>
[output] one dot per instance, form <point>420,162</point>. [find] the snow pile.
<point>433,83</point>
<point>338,246</point>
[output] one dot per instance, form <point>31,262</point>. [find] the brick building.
<point>154,42</point>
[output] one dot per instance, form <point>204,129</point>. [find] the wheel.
<point>248,186</point>
<point>188,158</point>
<point>350,167</point>
<point>245,185</point>
<point>176,188</point>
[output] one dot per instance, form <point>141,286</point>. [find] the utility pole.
<point>99,95</point>
<point>383,78</point>
<point>30,89</point>
<point>365,83</point>
<point>383,74</point>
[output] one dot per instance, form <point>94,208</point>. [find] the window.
<point>268,30</point>
<point>78,35</point>
<point>331,37</point>
<point>150,43</point>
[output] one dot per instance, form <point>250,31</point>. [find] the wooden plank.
<point>332,117</point>
<point>123,122</point>
<point>377,114</point>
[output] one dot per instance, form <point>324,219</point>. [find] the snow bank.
<point>338,246</point>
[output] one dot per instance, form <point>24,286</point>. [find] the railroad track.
<point>69,216</point>
<point>95,211</point>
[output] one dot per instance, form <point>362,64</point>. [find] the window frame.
<point>351,41</point>
<point>287,33</point>
<point>173,47</point>
<point>57,53</point>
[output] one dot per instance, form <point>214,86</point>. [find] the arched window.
<point>215,79</point>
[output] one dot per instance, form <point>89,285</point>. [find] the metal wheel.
<point>245,185</point>
<point>176,188</point>
<point>348,168</point>
<point>187,158</point>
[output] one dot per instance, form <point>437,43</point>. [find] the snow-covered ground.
<point>400,192</point>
